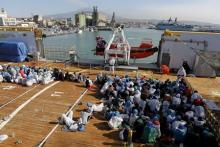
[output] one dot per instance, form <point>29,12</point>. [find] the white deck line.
<point>54,128</point>
<point>17,97</point>
<point>24,104</point>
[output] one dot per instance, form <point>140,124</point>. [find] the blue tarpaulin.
<point>13,51</point>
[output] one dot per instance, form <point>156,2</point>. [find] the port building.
<point>6,20</point>
<point>80,20</point>
<point>199,49</point>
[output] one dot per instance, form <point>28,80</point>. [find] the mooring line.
<point>13,114</point>
<point>55,127</point>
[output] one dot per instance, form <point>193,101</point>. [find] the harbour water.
<point>56,48</point>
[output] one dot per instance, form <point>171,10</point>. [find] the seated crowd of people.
<point>28,76</point>
<point>151,111</point>
<point>85,115</point>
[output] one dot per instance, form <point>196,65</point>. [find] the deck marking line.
<point>55,127</point>
<point>8,87</point>
<point>17,97</point>
<point>24,104</point>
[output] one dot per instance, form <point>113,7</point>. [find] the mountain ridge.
<point>122,19</point>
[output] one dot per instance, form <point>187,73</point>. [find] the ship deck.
<point>35,120</point>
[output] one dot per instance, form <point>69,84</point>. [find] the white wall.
<point>180,51</point>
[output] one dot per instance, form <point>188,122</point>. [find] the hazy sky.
<point>197,10</point>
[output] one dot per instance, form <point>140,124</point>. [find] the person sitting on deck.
<point>195,95</point>
<point>88,83</point>
<point>80,78</point>
<point>176,101</point>
<point>142,98</point>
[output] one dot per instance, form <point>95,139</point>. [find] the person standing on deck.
<point>112,64</point>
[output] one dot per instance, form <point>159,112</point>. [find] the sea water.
<point>56,48</point>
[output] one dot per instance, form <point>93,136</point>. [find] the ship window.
<point>24,34</point>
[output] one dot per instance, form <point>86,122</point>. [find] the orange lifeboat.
<point>145,49</point>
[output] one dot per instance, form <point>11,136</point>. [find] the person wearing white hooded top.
<point>176,101</point>
<point>181,72</point>
<point>154,104</point>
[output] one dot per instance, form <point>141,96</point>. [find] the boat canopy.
<point>13,51</point>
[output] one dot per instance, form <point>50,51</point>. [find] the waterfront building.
<point>80,20</point>
<point>95,16</point>
<point>6,20</point>
<point>28,24</point>
<point>69,22</point>
<point>98,19</point>
<point>112,23</point>
<point>88,20</point>
<point>102,20</point>
<point>38,19</point>
<point>50,23</point>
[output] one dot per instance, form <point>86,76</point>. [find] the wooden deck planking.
<point>32,124</point>
<point>208,87</point>
<point>36,119</point>
<point>7,95</point>
<point>9,108</point>
<point>97,132</point>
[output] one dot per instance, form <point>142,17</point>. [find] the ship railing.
<point>212,116</point>
<point>57,52</point>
